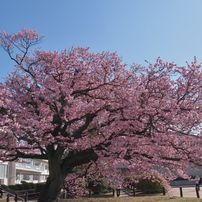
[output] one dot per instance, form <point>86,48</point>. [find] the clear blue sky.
<point>137,29</point>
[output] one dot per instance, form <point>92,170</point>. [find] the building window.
<point>46,167</point>
<point>26,177</point>
<point>3,171</point>
<point>27,161</point>
<point>17,176</point>
<point>36,163</point>
<point>35,177</point>
<point>42,177</point>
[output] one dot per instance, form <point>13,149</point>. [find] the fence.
<point>16,197</point>
<point>21,196</point>
<point>196,190</point>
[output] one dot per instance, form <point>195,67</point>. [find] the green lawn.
<point>134,199</point>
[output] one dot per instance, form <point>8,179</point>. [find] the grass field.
<point>134,199</point>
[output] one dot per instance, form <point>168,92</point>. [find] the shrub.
<point>24,186</point>
<point>110,189</point>
<point>4,186</point>
<point>179,178</point>
<point>39,187</point>
<point>32,185</point>
<point>27,186</point>
<point>101,187</point>
<point>19,186</point>
<point>146,183</point>
<point>149,186</point>
<point>12,187</point>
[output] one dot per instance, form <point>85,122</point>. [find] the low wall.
<point>182,183</point>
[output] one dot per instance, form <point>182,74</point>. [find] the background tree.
<point>87,112</point>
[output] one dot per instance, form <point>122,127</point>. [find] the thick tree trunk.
<point>60,168</point>
<point>51,190</point>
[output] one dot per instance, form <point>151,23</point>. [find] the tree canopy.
<point>85,113</point>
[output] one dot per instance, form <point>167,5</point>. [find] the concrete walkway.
<point>123,194</point>
<point>186,192</point>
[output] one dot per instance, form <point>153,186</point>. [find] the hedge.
<point>102,187</point>
<point>39,187</point>
<point>146,183</point>
<point>24,186</point>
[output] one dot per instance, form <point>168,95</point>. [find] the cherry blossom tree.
<point>85,113</point>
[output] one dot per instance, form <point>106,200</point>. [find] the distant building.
<point>191,171</point>
<point>29,170</point>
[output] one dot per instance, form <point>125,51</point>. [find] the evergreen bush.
<point>4,186</point>
<point>12,187</point>
<point>27,186</point>
<point>101,187</point>
<point>24,186</point>
<point>19,186</point>
<point>39,187</point>
<point>32,185</point>
<point>146,183</point>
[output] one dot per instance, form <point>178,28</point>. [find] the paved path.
<point>123,194</point>
<point>186,191</point>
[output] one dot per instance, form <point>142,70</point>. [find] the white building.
<point>29,170</point>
